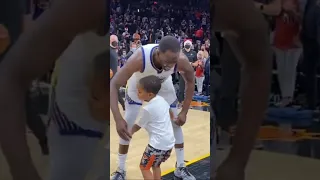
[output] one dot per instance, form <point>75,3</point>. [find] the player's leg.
<point>181,171</point>
<point>131,114</point>
<point>179,145</point>
<point>167,91</point>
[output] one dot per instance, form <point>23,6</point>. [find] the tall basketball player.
<point>247,33</point>
<point>160,60</point>
<point>75,29</point>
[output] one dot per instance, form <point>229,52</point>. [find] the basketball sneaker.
<point>118,175</point>
<point>182,173</point>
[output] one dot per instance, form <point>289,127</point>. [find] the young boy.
<point>156,119</point>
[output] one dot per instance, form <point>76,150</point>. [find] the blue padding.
<point>200,98</point>
<point>290,115</point>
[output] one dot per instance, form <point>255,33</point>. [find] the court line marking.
<point>187,164</point>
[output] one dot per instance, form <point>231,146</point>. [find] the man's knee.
<point>178,134</point>
<point>131,113</point>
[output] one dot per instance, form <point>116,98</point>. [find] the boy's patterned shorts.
<point>153,157</point>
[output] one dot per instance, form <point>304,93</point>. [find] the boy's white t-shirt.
<point>156,120</point>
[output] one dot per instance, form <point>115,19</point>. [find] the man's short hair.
<point>169,43</point>
<point>151,84</point>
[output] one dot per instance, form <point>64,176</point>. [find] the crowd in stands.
<point>143,22</point>
<point>295,46</point>
<point>151,22</point>
<point>294,74</point>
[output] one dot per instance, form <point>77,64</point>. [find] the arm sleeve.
<point>145,118</point>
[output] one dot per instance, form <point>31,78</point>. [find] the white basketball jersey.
<point>149,69</point>
<point>72,92</point>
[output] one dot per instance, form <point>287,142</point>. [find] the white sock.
<point>180,157</point>
<point>122,161</point>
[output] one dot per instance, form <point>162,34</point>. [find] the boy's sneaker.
<point>182,173</point>
<point>118,175</point>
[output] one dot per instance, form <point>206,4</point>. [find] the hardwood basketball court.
<point>264,165</point>
<point>197,144</point>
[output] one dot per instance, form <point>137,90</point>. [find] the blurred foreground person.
<point>247,33</point>
<point>77,115</point>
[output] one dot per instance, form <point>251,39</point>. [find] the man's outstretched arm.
<point>32,56</point>
<point>188,75</point>
<point>247,33</point>
<point>133,64</point>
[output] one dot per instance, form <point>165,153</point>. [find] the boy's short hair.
<point>151,84</point>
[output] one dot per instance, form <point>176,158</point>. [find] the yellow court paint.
<point>198,104</point>
<point>196,144</point>
<point>187,164</point>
